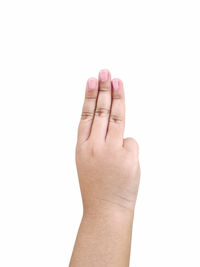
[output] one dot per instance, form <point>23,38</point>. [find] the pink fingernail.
<point>115,84</point>
<point>103,75</point>
<point>92,83</point>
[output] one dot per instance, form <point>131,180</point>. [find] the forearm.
<point>104,240</point>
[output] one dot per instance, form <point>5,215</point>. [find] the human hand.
<point>108,166</point>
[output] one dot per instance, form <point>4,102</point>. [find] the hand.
<point>108,166</point>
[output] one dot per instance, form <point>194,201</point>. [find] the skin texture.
<point>109,174</point>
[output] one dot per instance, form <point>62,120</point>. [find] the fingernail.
<point>92,83</point>
<point>103,75</point>
<point>115,84</point>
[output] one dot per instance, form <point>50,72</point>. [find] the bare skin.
<point>109,174</point>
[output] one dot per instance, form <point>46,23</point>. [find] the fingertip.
<point>104,75</point>
<point>117,88</point>
<point>92,83</point>
<point>117,83</point>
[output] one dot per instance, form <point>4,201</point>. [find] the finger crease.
<point>102,112</point>
<point>87,115</point>
<point>90,98</point>
<point>117,97</point>
<point>115,119</point>
<point>104,90</point>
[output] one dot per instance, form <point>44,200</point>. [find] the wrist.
<point>101,210</point>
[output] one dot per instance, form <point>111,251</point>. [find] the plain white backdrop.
<point>48,49</point>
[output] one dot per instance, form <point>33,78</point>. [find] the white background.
<point>48,49</point>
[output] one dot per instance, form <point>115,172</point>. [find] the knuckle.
<point>90,97</point>
<point>133,142</point>
<point>115,118</point>
<point>105,88</point>
<point>132,145</point>
<point>116,97</point>
<point>135,145</point>
<point>87,115</point>
<point>102,112</point>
